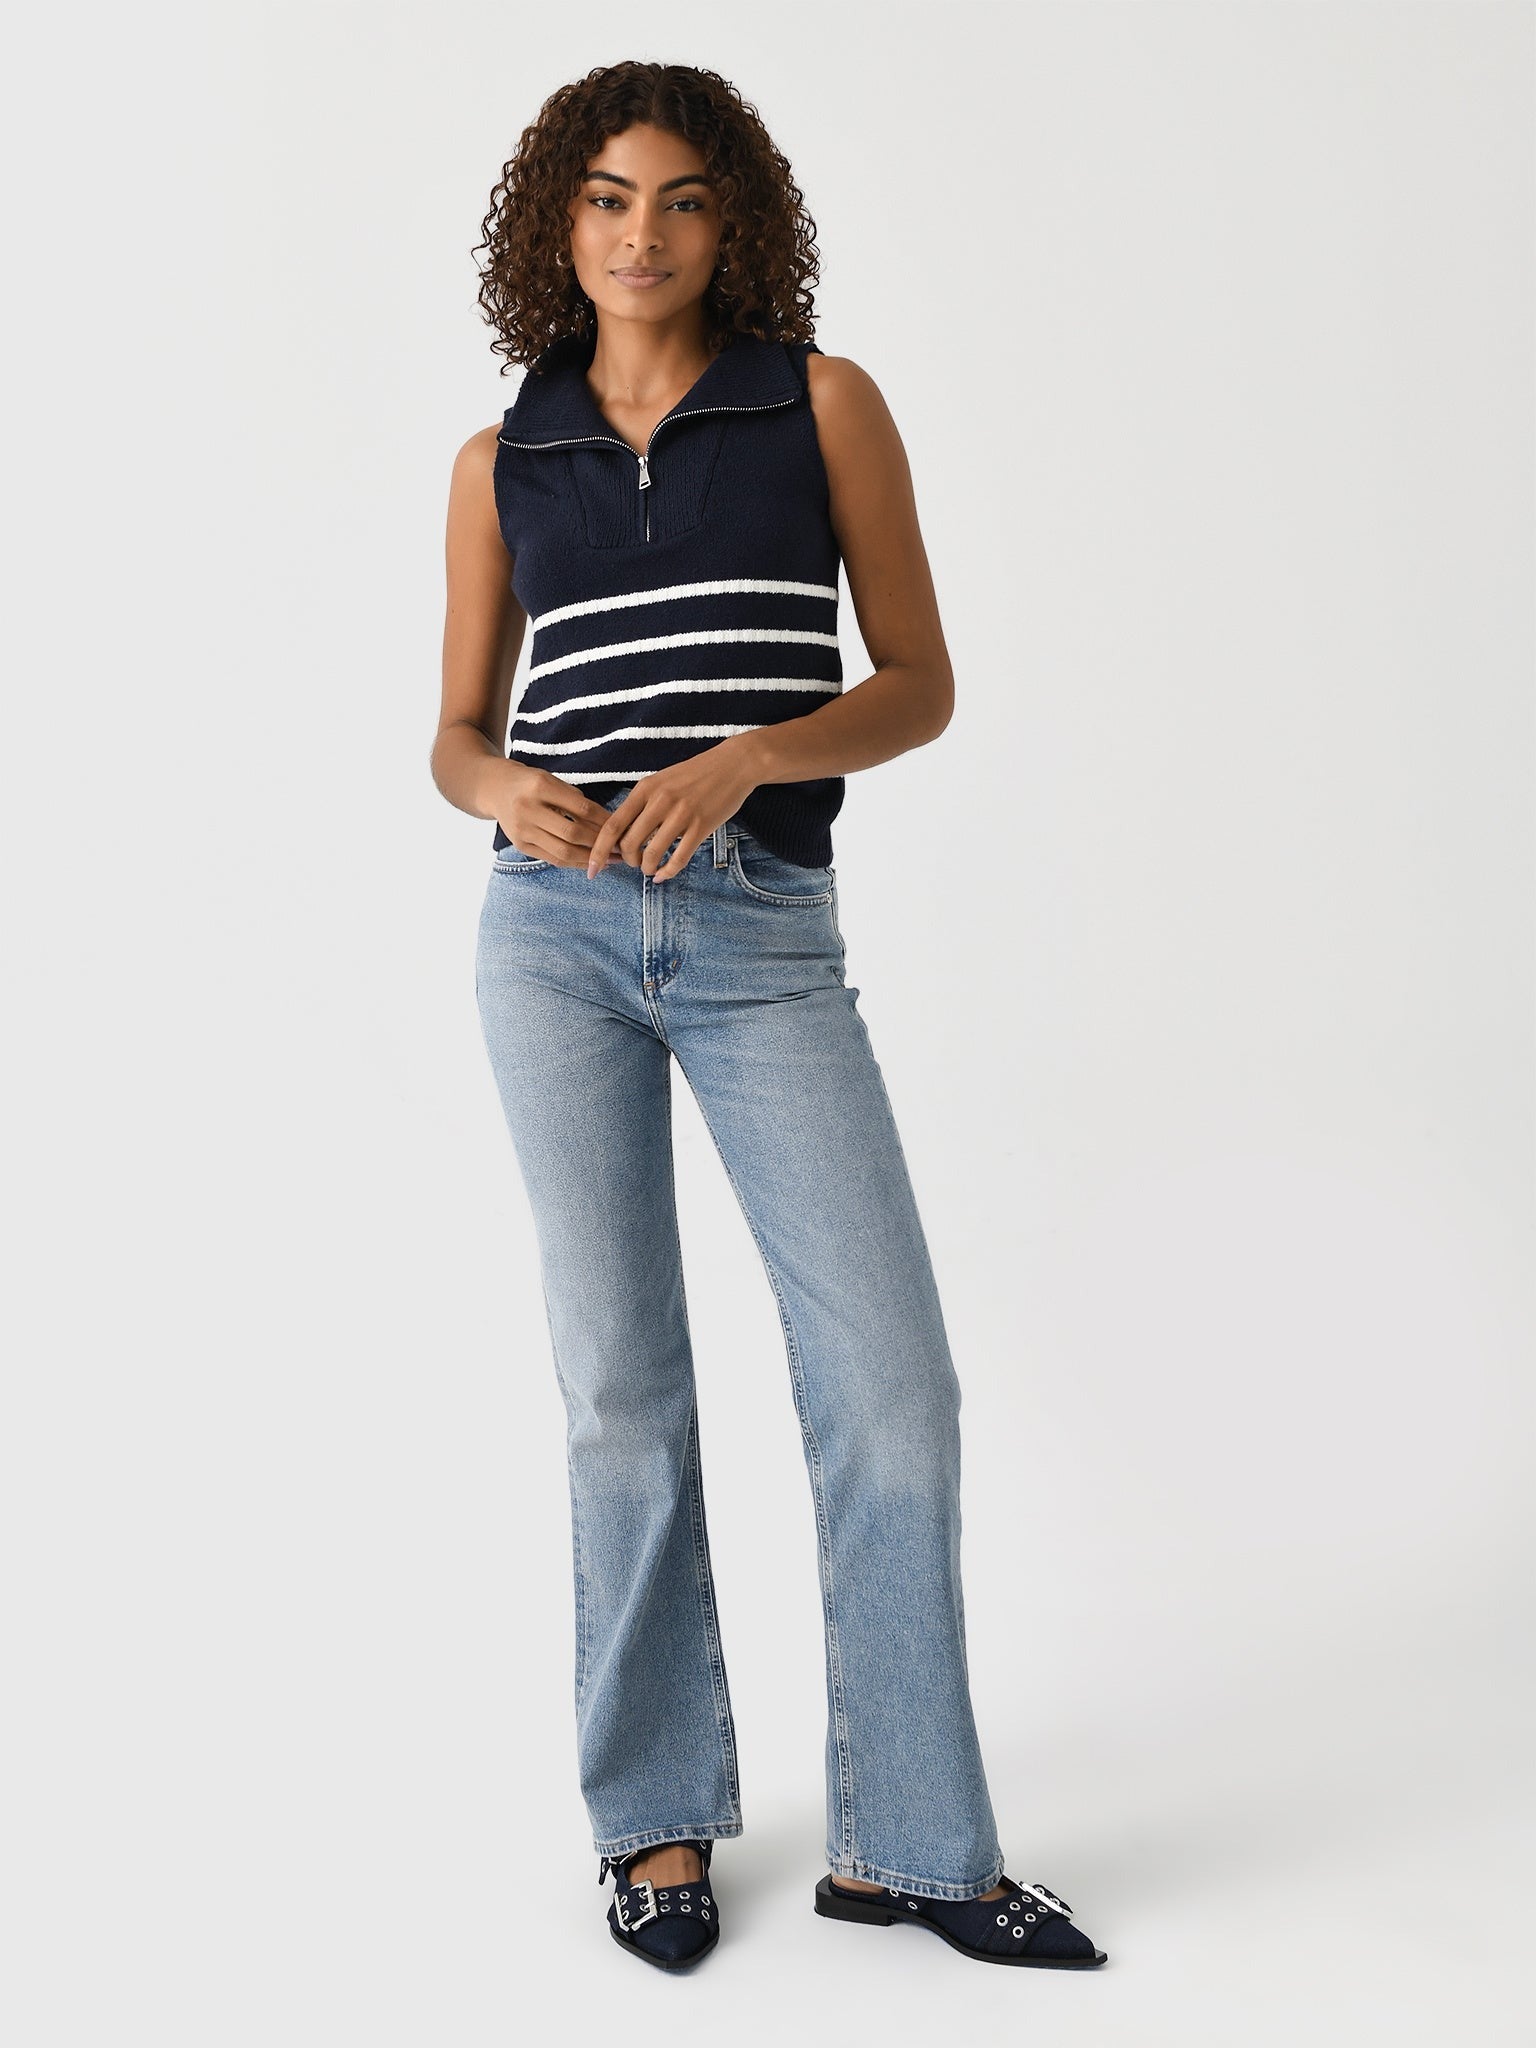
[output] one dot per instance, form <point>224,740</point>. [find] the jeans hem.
<point>651,1838</point>
<point>919,1887</point>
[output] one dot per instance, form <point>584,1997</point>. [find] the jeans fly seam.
<point>648,988</point>
<point>818,1491</point>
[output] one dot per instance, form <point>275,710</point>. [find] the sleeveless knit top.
<point>677,596</point>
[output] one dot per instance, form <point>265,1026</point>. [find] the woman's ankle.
<point>667,1863</point>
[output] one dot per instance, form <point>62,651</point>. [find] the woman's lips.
<point>642,279</point>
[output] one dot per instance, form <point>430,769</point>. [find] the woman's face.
<point>645,229</point>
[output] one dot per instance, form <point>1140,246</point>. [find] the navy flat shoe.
<point>671,1925</point>
<point>1029,1926</point>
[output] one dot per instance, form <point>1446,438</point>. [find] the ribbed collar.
<point>555,403</point>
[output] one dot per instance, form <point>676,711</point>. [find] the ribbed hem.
<point>794,819</point>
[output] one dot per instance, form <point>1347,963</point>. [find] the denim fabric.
<point>587,991</point>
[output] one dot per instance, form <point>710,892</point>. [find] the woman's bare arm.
<point>910,698</point>
<point>482,638</point>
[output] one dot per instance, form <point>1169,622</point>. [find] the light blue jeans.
<point>587,991</point>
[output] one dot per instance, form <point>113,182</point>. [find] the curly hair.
<point>767,255</point>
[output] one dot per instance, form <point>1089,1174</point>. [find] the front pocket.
<point>508,861</point>
<point>769,879</point>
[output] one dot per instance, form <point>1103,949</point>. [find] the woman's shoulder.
<point>477,456</point>
<point>844,396</point>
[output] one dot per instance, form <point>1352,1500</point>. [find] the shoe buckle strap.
<point>627,1920</point>
<point>1047,1898</point>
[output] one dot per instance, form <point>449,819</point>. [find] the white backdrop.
<point>1197,954</point>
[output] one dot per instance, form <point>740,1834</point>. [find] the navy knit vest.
<point>678,596</point>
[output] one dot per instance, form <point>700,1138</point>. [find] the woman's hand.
<point>678,807</point>
<point>550,819</point>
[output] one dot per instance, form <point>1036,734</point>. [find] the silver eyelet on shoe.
<point>1013,1905</point>
<point>911,1905</point>
<point>1029,1916</point>
<point>1002,1919</point>
<point>1018,1932</point>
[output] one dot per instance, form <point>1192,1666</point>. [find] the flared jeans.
<point>588,990</point>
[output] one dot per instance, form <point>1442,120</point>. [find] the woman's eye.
<point>606,201</point>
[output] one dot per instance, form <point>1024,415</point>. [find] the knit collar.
<point>555,403</point>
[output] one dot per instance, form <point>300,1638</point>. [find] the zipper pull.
<point>645,472</point>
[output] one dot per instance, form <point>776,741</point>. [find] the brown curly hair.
<point>768,258</point>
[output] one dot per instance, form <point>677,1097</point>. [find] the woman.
<point>667,502</point>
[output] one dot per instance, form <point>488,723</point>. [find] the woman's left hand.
<point>678,807</point>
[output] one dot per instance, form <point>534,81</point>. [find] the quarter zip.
<point>643,458</point>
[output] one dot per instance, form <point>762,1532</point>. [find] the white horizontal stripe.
<point>770,586</point>
<point>633,732</point>
<point>671,690</point>
<point>721,636</point>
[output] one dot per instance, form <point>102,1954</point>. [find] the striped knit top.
<point>677,596</point>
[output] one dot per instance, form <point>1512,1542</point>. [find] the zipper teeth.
<point>570,441</point>
<point>767,405</point>
<point>643,455</point>
<point>613,441</point>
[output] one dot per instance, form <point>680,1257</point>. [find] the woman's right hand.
<point>549,819</point>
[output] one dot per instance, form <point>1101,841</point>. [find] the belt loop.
<point>722,847</point>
